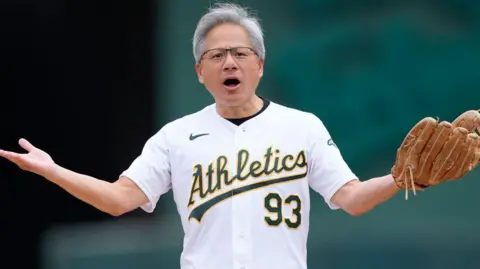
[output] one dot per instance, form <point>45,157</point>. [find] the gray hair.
<point>228,13</point>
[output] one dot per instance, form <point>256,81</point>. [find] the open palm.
<point>35,160</point>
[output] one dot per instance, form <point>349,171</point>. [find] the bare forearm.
<point>361,197</point>
<point>375,191</point>
<point>98,193</point>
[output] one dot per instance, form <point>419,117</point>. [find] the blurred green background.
<point>370,71</point>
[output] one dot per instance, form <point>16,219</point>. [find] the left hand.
<point>433,152</point>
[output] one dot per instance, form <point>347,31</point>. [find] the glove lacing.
<point>405,181</point>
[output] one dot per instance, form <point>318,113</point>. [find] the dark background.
<point>76,81</point>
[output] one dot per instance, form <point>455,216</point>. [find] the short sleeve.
<point>328,171</point>
<point>151,170</point>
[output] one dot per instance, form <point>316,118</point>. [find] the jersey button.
<point>242,235</point>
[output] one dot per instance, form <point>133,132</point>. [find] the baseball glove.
<point>434,152</point>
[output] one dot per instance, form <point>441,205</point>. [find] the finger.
<point>11,156</point>
<point>475,154</point>
<point>418,148</point>
<point>450,152</point>
<point>469,120</point>
<point>463,164</point>
<point>26,145</point>
<point>432,148</point>
<point>476,160</point>
<point>409,151</point>
<point>423,137</point>
<point>415,139</point>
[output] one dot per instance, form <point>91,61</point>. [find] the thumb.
<point>26,145</point>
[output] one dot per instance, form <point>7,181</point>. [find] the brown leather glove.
<point>469,158</point>
<point>433,152</point>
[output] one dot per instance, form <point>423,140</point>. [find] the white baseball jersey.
<point>242,192</point>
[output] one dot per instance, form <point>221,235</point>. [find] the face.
<point>231,77</point>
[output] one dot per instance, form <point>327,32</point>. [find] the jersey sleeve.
<point>328,171</point>
<point>151,170</point>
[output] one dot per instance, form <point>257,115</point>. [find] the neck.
<point>248,109</point>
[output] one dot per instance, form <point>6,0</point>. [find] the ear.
<point>198,68</point>
<point>260,68</point>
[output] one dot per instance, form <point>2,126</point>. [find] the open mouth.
<point>231,83</point>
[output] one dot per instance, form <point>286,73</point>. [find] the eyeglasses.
<point>220,54</point>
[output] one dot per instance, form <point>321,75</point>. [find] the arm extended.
<point>358,197</point>
<point>112,198</point>
<point>115,198</point>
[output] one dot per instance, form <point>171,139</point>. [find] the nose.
<point>229,63</point>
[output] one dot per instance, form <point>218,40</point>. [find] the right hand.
<point>35,160</point>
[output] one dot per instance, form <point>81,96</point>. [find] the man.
<point>240,169</point>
